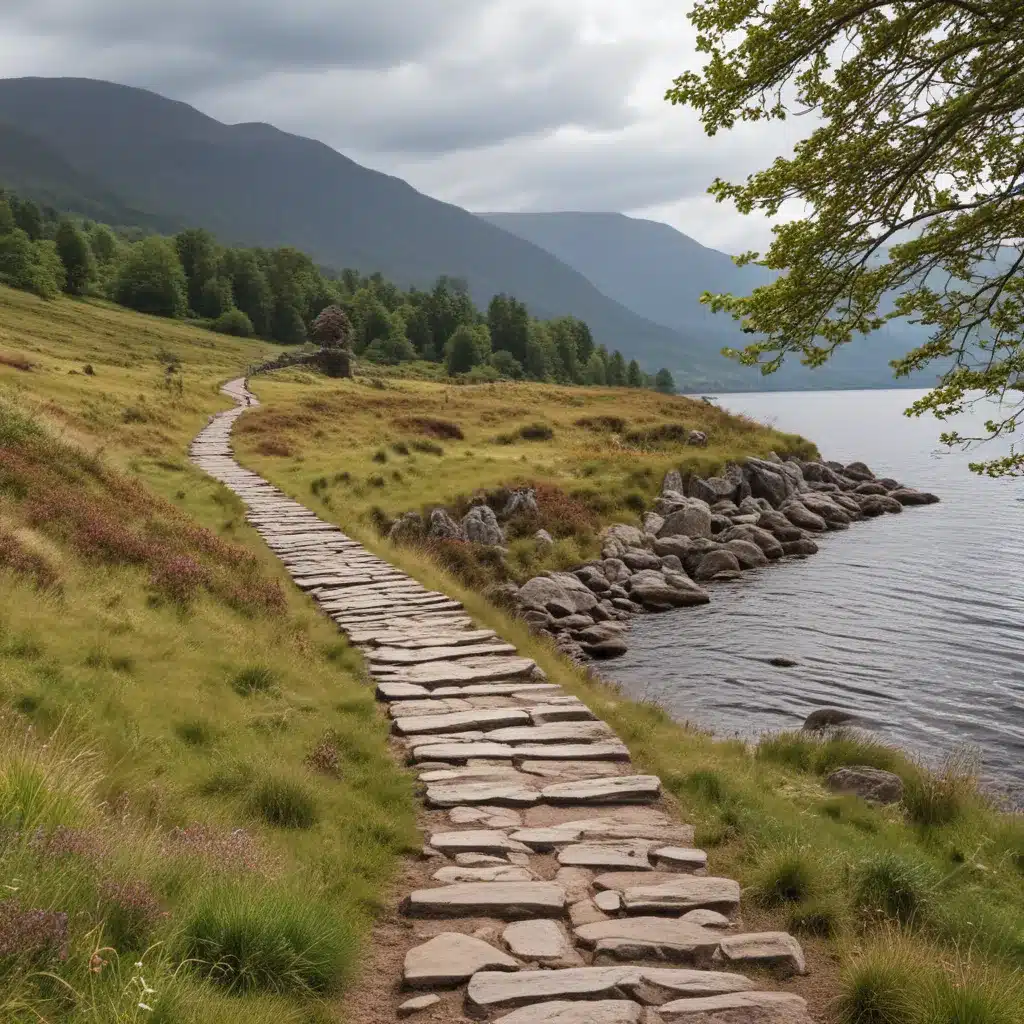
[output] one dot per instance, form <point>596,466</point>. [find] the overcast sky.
<point>491,104</point>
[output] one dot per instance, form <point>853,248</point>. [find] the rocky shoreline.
<point>701,531</point>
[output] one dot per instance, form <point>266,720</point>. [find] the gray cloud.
<point>494,104</point>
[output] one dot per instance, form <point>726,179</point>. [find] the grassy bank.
<point>193,775</point>
<point>367,450</point>
<point>914,913</point>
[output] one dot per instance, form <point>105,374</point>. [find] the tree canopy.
<point>912,183</point>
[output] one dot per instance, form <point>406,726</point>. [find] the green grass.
<point>148,678</point>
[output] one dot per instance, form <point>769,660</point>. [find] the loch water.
<point>914,622</point>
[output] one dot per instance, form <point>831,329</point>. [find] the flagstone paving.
<point>534,813</point>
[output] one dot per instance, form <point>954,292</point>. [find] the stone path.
<point>587,902</point>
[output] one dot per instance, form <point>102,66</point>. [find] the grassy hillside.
<point>193,776</point>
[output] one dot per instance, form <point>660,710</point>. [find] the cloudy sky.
<point>492,104</point>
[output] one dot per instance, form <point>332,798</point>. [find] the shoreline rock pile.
<point>701,531</point>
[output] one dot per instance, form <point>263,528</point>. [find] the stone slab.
<point>459,753</point>
<point>505,900</point>
<point>560,732</point>
<point>613,789</point>
<point>480,840</point>
<point>566,771</point>
<point>502,794</point>
<point>417,1005</point>
<point>763,949</point>
<point>404,656</point>
<point>620,881</point>
<point>542,940</point>
<point>685,892</point>
<point>492,990</point>
<point>650,938</point>
<point>486,816</point>
<point>611,750</point>
<point>467,671</point>
<point>738,1008</point>
<point>679,858</point>
<point>599,1011</point>
<point>453,873</point>
<point>602,856</point>
<point>457,721</point>
<point>450,959</point>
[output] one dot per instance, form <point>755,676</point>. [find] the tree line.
<point>276,294</point>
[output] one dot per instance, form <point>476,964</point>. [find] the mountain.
<point>252,184</point>
<point>660,273</point>
<point>34,170</point>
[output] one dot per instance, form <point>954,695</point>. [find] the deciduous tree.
<point>912,180</point>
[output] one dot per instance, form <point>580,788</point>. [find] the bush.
<point>443,430</point>
<point>506,364</point>
<point>235,323</point>
<point>877,989</point>
<point>937,798</point>
<point>266,940</point>
<point>784,875</point>
<point>891,887</point>
<point>254,679</point>
<point>536,432</point>
<point>284,804</point>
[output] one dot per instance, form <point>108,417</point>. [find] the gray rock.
<point>650,938</point>
<point>858,471</point>
<point>697,439</point>
<point>676,547</point>
<point>480,525</point>
<point>692,521</point>
<point>747,553</point>
<point>452,873</point>
<point>712,490</point>
<point>616,571</point>
<point>687,892</point>
<point>627,536</point>
<point>490,841</point>
<point>653,522</point>
<point>777,950</point>
<point>496,793</point>
<point>908,496</point>
<point>877,504</point>
<point>679,858</point>
<point>767,481</point>
<point>443,527</point>
<point>507,900</point>
<point>673,482</point>
<point>543,539</point>
<point>707,918</point>
<point>871,487</point>
<point>523,501</point>
<point>585,911</point>
<point>737,1008</point>
<point>575,882</point>
<point>872,784</point>
<point>489,990</point>
<point>719,524</point>
<point>654,589</point>
<point>593,579</point>
<point>417,1004</point>
<point>407,529</point>
<point>800,515</point>
<point>638,559</point>
<point>542,941</point>
<point>600,1011</point>
<point>671,563</point>
<point>609,901</point>
<point>451,958</point>
<point>627,855</point>
<point>756,535</point>
<point>836,518</point>
<point>828,718</point>
<point>716,562</point>
<point>799,548</point>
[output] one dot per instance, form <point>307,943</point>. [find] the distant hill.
<point>34,170</point>
<point>252,184</point>
<point>660,273</point>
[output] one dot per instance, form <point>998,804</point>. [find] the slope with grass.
<point>193,776</point>
<point>931,888</point>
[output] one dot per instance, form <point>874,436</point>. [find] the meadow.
<point>194,777</point>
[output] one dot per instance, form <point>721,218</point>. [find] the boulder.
<point>615,570</point>
<point>712,490</point>
<point>544,594</point>
<point>519,502</point>
<point>870,487</point>
<point>543,539</point>
<point>716,562</point>
<point>877,504</point>
<point>827,718</point>
<point>778,950</point>
<point>697,439</point>
<point>799,548</point>
<point>720,523</point>
<point>672,563</point>
<point>407,528</point>
<point>626,535</point>
<point>480,525</point>
<point>678,546</point>
<point>653,523</point>
<point>747,553</point>
<point>692,521</point>
<point>767,481</point>
<point>834,515</point>
<point>578,592</point>
<point>858,471</point>
<point>872,784</point>
<point>638,559</point>
<point>673,482</point>
<point>800,515</point>
<point>762,538</point>
<point>658,590</point>
<point>443,527</point>
<point>909,496</point>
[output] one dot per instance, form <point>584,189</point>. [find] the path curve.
<point>563,892</point>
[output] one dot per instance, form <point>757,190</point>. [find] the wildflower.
<point>144,1006</point>
<point>96,963</point>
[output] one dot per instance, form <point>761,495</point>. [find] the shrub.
<point>23,561</point>
<point>254,679</point>
<point>665,434</point>
<point>877,988</point>
<point>284,803</point>
<point>962,996</point>
<point>195,732</point>
<point>443,430</point>
<point>612,424</point>
<point>400,448</point>
<point>820,916</point>
<point>889,886</point>
<point>250,940</point>
<point>427,447</point>
<point>130,912</point>
<point>380,455</point>
<point>784,875</point>
<point>536,432</point>
<point>235,323</point>
<point>937,798</point>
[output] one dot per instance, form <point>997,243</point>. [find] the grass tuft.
<point>889,887</point>
<point>284,803</point>
<point>877,988</point>
<point>254,679</point>
<point>784,875</point>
